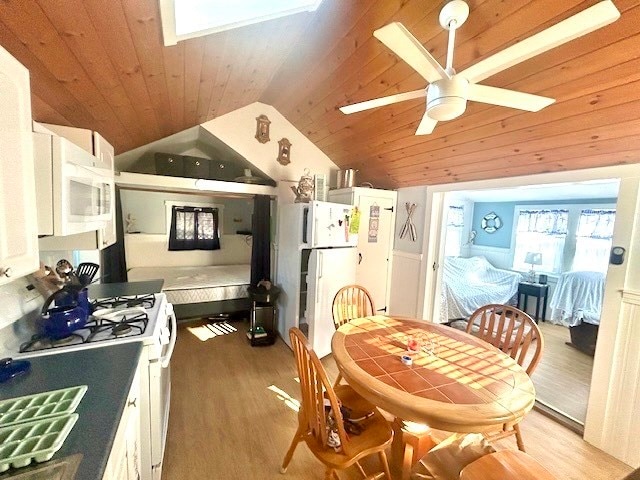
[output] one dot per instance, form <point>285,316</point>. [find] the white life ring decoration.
<point>491,222</point>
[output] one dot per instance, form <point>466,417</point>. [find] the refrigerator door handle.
<point>319,276</point>
<point>315,231</point>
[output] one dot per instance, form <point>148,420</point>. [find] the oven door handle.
<point>164,361</point>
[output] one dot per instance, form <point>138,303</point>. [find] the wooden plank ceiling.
<point>102,65</point>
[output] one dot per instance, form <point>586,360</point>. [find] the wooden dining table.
<point>456,382</point>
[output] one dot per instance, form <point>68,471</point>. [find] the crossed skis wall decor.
<point>408,227</point>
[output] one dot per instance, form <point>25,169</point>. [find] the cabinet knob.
<point>7,272</point>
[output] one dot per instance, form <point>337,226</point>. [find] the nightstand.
<point>537,290</point>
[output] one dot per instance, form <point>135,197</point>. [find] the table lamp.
<point>533,258</point>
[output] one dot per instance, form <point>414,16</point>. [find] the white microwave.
<point>73,194</point>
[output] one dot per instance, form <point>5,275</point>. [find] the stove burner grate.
<point>63,341</point>
<point>95,330</point>
<point>146,301</point>
<point>115,328</point>
<point>121,329</point>
<point>42,342</point>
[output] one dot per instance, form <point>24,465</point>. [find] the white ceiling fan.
<point>447,92</point>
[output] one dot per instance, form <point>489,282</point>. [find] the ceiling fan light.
<point>446,108</point>
<point>447,99</point>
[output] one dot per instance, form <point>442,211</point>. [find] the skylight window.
<point>183,19</point>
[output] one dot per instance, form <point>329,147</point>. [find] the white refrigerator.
<point>316,256</point>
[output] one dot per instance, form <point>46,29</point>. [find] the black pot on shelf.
<point>262,295</point>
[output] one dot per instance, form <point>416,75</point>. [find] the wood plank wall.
<point>102,65</point>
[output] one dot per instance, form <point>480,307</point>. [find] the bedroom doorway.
<point>566,229</point>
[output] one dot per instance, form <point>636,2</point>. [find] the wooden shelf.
<point>163,183</point>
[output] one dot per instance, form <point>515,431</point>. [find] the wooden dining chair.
<point>352,301</point>
<point>318,395</point>
<point>516,334</point>
<point>505,465</point>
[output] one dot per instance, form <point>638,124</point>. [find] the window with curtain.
<point>455,224</point>
<point>593,240</point>
<point>542,231</point>
<point>194,228</point>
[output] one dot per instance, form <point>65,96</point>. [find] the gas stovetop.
<point>113,319</point>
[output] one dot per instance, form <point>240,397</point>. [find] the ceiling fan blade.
<point>426,125</point>
<point>508,98</point>
<point>590,19</point>
<point>407,47</point>
<point>382,101</point>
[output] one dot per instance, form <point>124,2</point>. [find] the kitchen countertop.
<point>108,372</point>
<point>106,290</point>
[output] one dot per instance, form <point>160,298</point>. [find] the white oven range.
<point>148,319</point>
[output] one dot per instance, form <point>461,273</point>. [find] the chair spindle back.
<point>352,301</point>
<point>315,388</point>
<point>511,330</point>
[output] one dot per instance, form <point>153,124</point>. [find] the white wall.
<point>237,129</point>
<point>151,250</point>
<point>405,281</point>
<point>498,257</point>
<point>410,195</point>
<point>16,301</point>
<point>149,210</point>
<point>613,419</point>
<point>407,255</point>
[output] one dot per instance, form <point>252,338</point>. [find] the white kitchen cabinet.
<point>124,460</point>
<point>103,151</point>
<point>375,238</point>
<point>91,142</point>
<point>18,219</point>
<point>81,137</point>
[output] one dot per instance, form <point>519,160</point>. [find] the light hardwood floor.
<point>226,423</point>
<point>563,377</point>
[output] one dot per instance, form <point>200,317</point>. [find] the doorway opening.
<point>543,248</point>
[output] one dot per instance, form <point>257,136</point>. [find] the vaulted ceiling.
<point>102,65</point>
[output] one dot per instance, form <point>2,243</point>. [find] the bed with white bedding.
<point>470,283</point>
<point>577,303</point>
<point>201,284</point>
<point>577,298</point>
